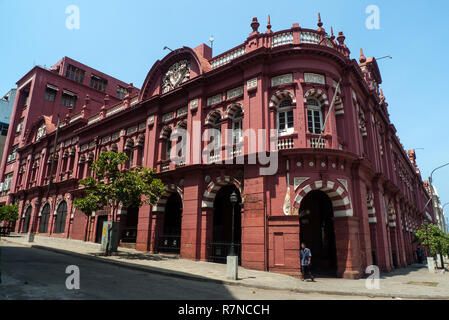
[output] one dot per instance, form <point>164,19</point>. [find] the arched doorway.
<point>317,231</point>
<point>45,217</point>
<point>26,220</point>
<point>61,216</point>
<point>170,241</point>
<point>222,225</point>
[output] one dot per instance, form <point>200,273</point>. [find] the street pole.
<point>232,253</point>
<point>232,261</point>
<point>431,196</point>
<point>234,200</point>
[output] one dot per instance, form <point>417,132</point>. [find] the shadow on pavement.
<point>34,274</point>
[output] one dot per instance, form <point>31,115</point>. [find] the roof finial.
<point>362,58</point>
<point>269,25</point>
<point>255,25</point>
<point>332,34</point>
<point>341,38</point>
<point>320,23</point>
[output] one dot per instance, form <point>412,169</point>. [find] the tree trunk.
<point>87,227</point>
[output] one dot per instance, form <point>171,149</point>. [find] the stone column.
<point>191,226</point>
<point>383,256</point>
<point>349,265</point>
<point>400,236</point>
<point>253,220</point>
<point>206,237</point>
<point>144,226</point>
<point>361,211</point>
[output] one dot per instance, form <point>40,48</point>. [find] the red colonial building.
<point>343,182</point>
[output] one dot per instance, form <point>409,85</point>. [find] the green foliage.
<point>110,185</point>
<point>432,237</point>
<point>9,213</point>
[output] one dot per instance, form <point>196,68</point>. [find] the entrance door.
<point>317,231</point>
<point>129,226</point>
<point>26,220</point>
<point>99,230</point>
<point>222,224</point>
<point>170,241</point>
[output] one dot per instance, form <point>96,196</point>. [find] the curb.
<point>164,272</point>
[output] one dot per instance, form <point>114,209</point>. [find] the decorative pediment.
<point>177,74</point>
<point>41,131</point>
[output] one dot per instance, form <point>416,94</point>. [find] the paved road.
<point>29,273</point>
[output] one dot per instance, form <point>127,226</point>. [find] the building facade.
<point>437,207</point>
<point>343,182</point>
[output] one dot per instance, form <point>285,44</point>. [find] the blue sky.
<point>125,38</point>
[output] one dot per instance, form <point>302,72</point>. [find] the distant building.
<point>437,208</point>
<point>6,106</point>
<point>344,183</point>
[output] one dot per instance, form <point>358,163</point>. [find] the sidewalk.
<point>412,282</point>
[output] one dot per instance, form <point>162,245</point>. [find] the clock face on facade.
<point>177,74</point>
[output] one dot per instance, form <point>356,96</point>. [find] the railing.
<point>227,57</point>
<point>237,150</point>
<point>220,250</point>
<point>284,144</point>
<point>165,166</point>
<point>129,235</point>
<point>214,158</point>
<point>115,109</point>
<point>317,143</point>
<point>169,243</point>
<point>282,39</point>
<point>76,117</point>
<point>310,37</point>
<point>93,119</point>
<point>181,164</point>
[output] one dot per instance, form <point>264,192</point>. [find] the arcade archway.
<point>317,231</point>
<point>170,241</point>
<point>222,224</point>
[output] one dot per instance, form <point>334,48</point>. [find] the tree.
<point>110,185</point>
<point>9,213</point>
<point>434,239</point>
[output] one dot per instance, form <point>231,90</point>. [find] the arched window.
<point>129,150</point>
<point>237,127</point>
<point>213,120</point>
<point>166,142</point>
<point>285,117</point>
<point>61,216</point>
<point>181,143</point>
<point>45,217</point>
<point>168,145</point>
<point>314,116</point>
<point>26,220</point>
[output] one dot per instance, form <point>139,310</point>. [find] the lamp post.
<point>233,198</point>
<point>232,258</point>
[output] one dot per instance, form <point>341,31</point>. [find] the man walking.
<point>306,261</point>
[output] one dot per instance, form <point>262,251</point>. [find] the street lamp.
<point>232,259</point>
<point>430,184</point>
<point>233,198</point>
